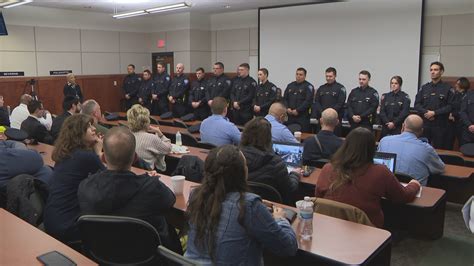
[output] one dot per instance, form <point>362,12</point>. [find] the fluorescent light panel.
<point>151,10</point>
<point>18,4</point>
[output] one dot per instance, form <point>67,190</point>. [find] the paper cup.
<point>298,135</point>
<point>177,184</point>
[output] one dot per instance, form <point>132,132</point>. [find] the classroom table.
<point>123,116</point>
<point>167,130</point>
<point>458,181</point>
<point>21,243</point>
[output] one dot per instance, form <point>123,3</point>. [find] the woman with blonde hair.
<point>151,147</point>
<point>71,88</point>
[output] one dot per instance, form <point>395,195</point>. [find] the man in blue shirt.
<point>217,129</point>
<point>414,157</point>
<point>277,116</point>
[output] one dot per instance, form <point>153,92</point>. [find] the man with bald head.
<point>178,92</point>
<point>415,157</point>
<point>277,115</point>
<point>325,143</point>
<point>118,191</point>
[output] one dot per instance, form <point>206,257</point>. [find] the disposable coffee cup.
<point>298,135</point>
<point>177,184</point>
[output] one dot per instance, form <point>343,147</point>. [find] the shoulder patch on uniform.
<point>343,89</point>
<point>228,82</point>
<point>254,84</point>
<point>408,97</point>
<point>274,88</point>
<point>310,87</point>
<point>167,78</point>
<point>139,79</point>
<point>376,95</point>
<point>186,81</point>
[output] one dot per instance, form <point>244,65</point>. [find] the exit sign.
<point>161,43</point>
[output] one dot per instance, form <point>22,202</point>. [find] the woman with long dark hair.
<point>352,178</point>
<point>229,225</point>
<point>76,153</point>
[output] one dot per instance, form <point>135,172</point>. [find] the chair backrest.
<point>188,139</point>
<point>265,191</point>
<point>294,127</point>
<point>206,145</point>
<point>318,163</point>
<point>452,159</point>
<point>153,121</point>
<point>175,258</point>
<point>405,178</point>
<point>341,211</point>
<point>179,123</point>
<point>118,240</point>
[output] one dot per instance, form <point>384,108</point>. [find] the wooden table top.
<point>21,243</point>
<point>164,129</point>
<point>159,119</point>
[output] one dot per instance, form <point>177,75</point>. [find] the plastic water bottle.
<point>178,139</point>
<point>306,218</point>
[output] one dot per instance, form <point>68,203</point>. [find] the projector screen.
<point>381,36</point>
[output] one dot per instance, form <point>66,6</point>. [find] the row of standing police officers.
<point>438,103</point>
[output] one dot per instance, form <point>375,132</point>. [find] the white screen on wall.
<point>381,36</point>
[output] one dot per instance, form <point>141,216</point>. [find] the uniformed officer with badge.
<point>455,125</point>
<point>160,95</point>
<point>242,95</point>
<point>265,94</point>
<point>197,96</point>
<point>147,86</point>
<point>298,98</point>
<point>394,108</point>
<point>330,95</point>
<point>433,103</point>
<point>466,115</point>
<point>130,86</point>
<point>178,92</point>
<point>362,103</point>
<point>218,85</point>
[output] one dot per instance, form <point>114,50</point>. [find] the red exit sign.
<point>161,43</point>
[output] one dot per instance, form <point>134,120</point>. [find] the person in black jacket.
<point>298,98</point>
<point>264,166</point>
<point>178,92</point>
<point>197,96</point>
<point>265,95</point>
<point>70,106</point>
<point>241,96</point>
<point>455,125</point>
<point>147,87</point>
<point>72,88</point>
<point>160,94</point>
<point>36,131</point>
<point>118,191</point>
<point>362,103</point>
<point>394,108</point>
<point>130,86</point>
<point>4,114</point>
<point>219,85</point>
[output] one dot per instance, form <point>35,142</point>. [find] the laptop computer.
<point>290,153</point>
<point>387,159</point>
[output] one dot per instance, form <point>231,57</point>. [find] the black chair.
<point>294,127</point>
<point>168,122</point>
<point>115,240</point>
<point>175,258</point>
<point>317,163</point>
<point>265,191</point>
<point>452,159</point>
<point>171,164</point>
<point>179,123</point>
<point>188,140</point>
<point>153,121</point>
<point>404,177</point>
<point>206,145</point>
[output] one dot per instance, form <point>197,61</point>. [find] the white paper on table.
<point>419,191</point>
<point>468,214</point>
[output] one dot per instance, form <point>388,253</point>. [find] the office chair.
<point>403,177</point>
<point>174,257</point>
<point>115,240</point>
<point>265,191</point>
<point>452,159</point>
<point>179,123</point>
<point>188,140</point>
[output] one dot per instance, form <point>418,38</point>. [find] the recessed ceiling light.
<point>227,6</point>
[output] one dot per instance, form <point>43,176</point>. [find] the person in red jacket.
<point>352,178</point>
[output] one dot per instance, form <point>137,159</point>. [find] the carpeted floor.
<point>455,248</point>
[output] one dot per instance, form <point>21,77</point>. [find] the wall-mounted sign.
<point>161,43</point>
<point>59,72</point>
<point>12,74</point>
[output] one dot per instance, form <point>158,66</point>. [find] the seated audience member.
<point>36,131</point>
<point>151,147</point>
<point>217,129</point>
<point>325,143</point>
<point>264,166</point>
<point>20,113</point>
<point>277,115</point>
<point>76,153</point>
<point>92,108</point>
<point>13,155</point>
<point>352,178</point>
<point>414,157</point>
<point>118,191</point>
<point>4,115</point>
<point>228,225</point>
<point>71,106</point>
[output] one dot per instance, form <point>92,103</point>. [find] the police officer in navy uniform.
<point>433,103</point>
<point>219,85</point>
<point>362,103</point>
<point>242,95</point>
<point>298,98</point>
<point>160,95</point>
<point>178,92</point>
<point>265,94</point>
<point>466,115</point>
<point>197,96</point>
<point>147,86</point>
<point>394,108</point>
<point>455,125</point>
<point>130,86</point>
<point>330,95</point>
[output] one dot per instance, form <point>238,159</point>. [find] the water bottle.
<point>306,218</point>
<point>178,139</point>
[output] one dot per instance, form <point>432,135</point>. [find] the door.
<point>166,58</point>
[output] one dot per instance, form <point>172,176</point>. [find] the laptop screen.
<point>290,153</point>
<point>387,159</point>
